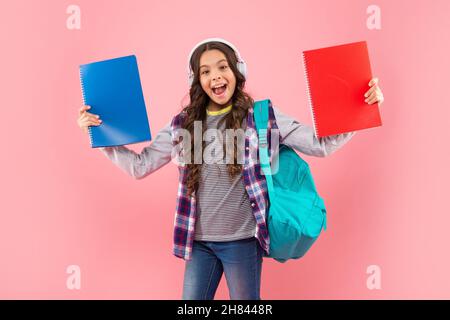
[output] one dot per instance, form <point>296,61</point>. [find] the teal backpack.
<point>297,213</point>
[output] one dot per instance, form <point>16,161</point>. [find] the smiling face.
<point>217,79</point>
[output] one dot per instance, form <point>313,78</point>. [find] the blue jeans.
<point>241,260</point>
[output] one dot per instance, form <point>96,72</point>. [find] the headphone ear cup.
<point>242,67</point>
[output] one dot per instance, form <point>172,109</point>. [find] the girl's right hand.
<point>86,119</point>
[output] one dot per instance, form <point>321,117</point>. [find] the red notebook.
<point>337,78</point>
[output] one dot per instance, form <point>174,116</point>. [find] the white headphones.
<point>241,65</point>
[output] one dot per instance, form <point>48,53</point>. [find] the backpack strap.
<point>261,116</point>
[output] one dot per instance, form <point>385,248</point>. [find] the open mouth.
<point>219,91</point>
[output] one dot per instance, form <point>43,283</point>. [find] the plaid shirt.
<point>255,185</point>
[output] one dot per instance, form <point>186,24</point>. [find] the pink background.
<point>64,203</point>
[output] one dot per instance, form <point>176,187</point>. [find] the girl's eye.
<point>206,71</point>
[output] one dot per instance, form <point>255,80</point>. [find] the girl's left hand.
<point>374,94</point>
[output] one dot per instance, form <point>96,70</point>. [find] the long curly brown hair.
<point>199,100</point>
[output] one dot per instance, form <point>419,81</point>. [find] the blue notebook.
<point>113,90</point>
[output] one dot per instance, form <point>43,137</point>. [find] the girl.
<point>220,214</point>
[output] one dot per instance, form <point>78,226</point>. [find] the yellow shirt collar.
<point>219,112</point>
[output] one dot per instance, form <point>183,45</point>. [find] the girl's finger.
<point>373,81</point>
<point>95,119</point>
<point>373,99</point>
<point>369,92</point>
<point>83,109</point>
<point>370,97</point>
<point>92,120</point>
<point>91,123</point>
<point>91,115</point>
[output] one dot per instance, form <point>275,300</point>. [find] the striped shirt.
<point>223,208</point>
